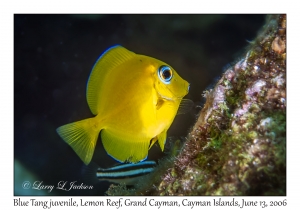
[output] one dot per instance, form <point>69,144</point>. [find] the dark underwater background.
<point>53,57</point>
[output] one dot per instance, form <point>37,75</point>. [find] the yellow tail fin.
<point>82,137</point>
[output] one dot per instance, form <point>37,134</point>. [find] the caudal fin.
<point>82,137</point>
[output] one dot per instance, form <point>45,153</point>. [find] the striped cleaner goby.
<point>123,173</point>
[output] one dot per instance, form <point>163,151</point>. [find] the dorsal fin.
<point>112,57</point>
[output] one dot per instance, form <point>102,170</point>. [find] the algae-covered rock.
<point>238,144</point>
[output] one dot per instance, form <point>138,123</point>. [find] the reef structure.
<point>238,144</point>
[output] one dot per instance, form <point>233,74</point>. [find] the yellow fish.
<point>135,99</point>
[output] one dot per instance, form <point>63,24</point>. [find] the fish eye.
<point>165,74</point>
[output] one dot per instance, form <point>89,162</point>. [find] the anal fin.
<point>152,142</point>
<point>125,149</point>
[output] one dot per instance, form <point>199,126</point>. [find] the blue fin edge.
<point>102,54</point>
